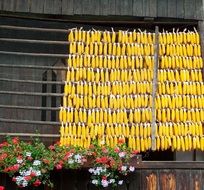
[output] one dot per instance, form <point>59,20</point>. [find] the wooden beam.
<point>55,55</point>
<point>35,54</point>
<point>33,29</point>
<point>33,67</point>
<point>29,122</point>
<point>32,81</point>
<point>48,42</point>
<point>154,89</point>
<point>31,93</point>
<point>201,32</point>
<point>29,107</point>
<point>30,135</point>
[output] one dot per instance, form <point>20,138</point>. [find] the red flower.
<point>37,183</point>
<point>117,150</point>
<point>58,166</point>
<point>91,146</point>
<point>19,157</point>
<point>121,141</point>
<point>104,177</point>
<point>112,162</point>
<point>102,160</point>
<point>27,178</point>
<point>6,170</point>
<point>29,158</point>
<point>2,188</point>
<point>51,147</point>
<point>14,179</point>
<point>15,140</point>
<point>3,144</point>
<point>104,150</point>
<point>46,161</point>
<point>33,174</point>
<point>12,168</point>
<point>3,156</point>
<point>135,152</point>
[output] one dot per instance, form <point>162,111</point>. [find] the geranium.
<point>110,165</point>
<point>27,163</point>
<point>68,157</point>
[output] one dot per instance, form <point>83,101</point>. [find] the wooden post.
<point>154,86</point>
<point>201,32</point>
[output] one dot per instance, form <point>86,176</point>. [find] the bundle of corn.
<point>107,93</point>
<point>180,100</point>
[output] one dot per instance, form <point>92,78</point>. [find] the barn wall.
<point>141,179</point>
<point>188,9</point>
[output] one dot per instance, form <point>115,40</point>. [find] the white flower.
<point>25,183</point>
<point>79,161</point>
<point>132,168</point>
<point>19,161</point>
<point>27,173</point>
<point>124,168</point>
<point>36,162</point>
<point>122,154</point>
<point>112,181</point>
<point>94,181</point>
<point>120,182</point>
<point>91,170</point>
<point>28,154</point>
<point>104,183</point>
<point>70,161</point>
<point>38,173</point>
<point>77,156</point>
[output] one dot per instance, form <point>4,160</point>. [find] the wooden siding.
<point>150,178</point>
<point>188,9</point>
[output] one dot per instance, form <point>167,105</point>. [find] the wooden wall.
<point>153,176</point>
<point>188,9</point>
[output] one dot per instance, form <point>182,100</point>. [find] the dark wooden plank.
<point>135,180</point>
<point>127,8</point>
<point>22,5</point>
<point>94,7</point>
<point>48,6</point>
<point>68,7</point>
<point>1,4</point>
<point>118,7</point>
<point>170,165</point>
<point>153,8</point>
<point>137,8</point>
<point>2,179</point>
<point>149,179</point>
<point>69,180</point>
<point>112,7</point>
<point>189,8</point>
<point>37,6</point>
<point>146,8</point>
<point>167,179</point>
<point>90,7</point>
<point>83,180</point>
<point>8,5</point>
<point>104,7</point>
<point>196,182</point>
<point>202,177</point>
<point>85,7</point>
<point>172,8</point>
<point>162,8</point>
<point>78,7</point>
<point>52,7</point>
<point>180,8</point>
<point>184,179</point>
<point>199,10</point>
